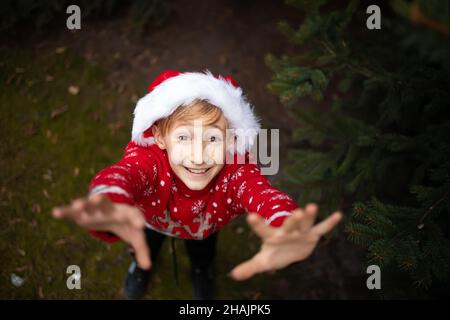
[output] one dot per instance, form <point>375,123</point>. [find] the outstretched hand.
<point>293,241</point>
<point>98,213</point>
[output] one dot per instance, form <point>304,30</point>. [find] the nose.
<point>197,152</point>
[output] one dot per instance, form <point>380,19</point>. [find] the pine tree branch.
<point>420,225</point>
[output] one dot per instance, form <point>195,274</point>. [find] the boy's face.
<point>196,152</point>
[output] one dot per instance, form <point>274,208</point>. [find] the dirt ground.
<point>230,38</point>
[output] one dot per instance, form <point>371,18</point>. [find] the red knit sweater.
<point>144,178</point>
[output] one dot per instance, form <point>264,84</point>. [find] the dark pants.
<point>201,252</point>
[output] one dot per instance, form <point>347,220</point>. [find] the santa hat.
<point>172,89</point>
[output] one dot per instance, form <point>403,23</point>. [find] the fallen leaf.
<point>76,171</point>
<point>22,268</point>
<point>10,79</point>
<point>120,88</point>
<point>74,90</point>
<point>57,112</point>
<point>41,293</point>
<point>116,126</point>
<point>45,192</point>
<point>31,129</point>
<point>256,295</point>
<point>119,125</point>
<point>60,242</point>
<point>36,208</point>
<point>48,175</point>
<point>54,139</point>
<point>157,279</point>
<point>16,220</point>
<point>60,50</point>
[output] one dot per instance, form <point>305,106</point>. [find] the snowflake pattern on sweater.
<point>144,178</point>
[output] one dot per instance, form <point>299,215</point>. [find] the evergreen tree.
<point>373,137</point>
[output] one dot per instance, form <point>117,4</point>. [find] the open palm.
<point>293,241</point>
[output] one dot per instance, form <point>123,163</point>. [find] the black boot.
<point>136,282</point>
<point>202,283</point>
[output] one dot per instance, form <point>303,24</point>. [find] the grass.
<point>53,141</point>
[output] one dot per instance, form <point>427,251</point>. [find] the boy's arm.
<point>254,193</point>
<point>125,181</point>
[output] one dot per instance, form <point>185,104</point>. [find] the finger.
<point>326,225</point>
<point>77,210</point>
<point>141,250</point>
<point>57,213</point>
<point>79,205</point>
<point>100,202</point>
<point>66,212</point>
<point>309,218</point>
<point>246,270</point>
<point>292,222</point>
<point>259,226</point>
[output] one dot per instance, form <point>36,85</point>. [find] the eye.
<point>214,139</point>
<point>182,138</point>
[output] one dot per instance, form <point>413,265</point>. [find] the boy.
<point>180,177</point>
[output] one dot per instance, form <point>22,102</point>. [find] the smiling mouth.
<point>197,171</point>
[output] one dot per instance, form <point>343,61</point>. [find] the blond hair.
<point>198,108</point>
